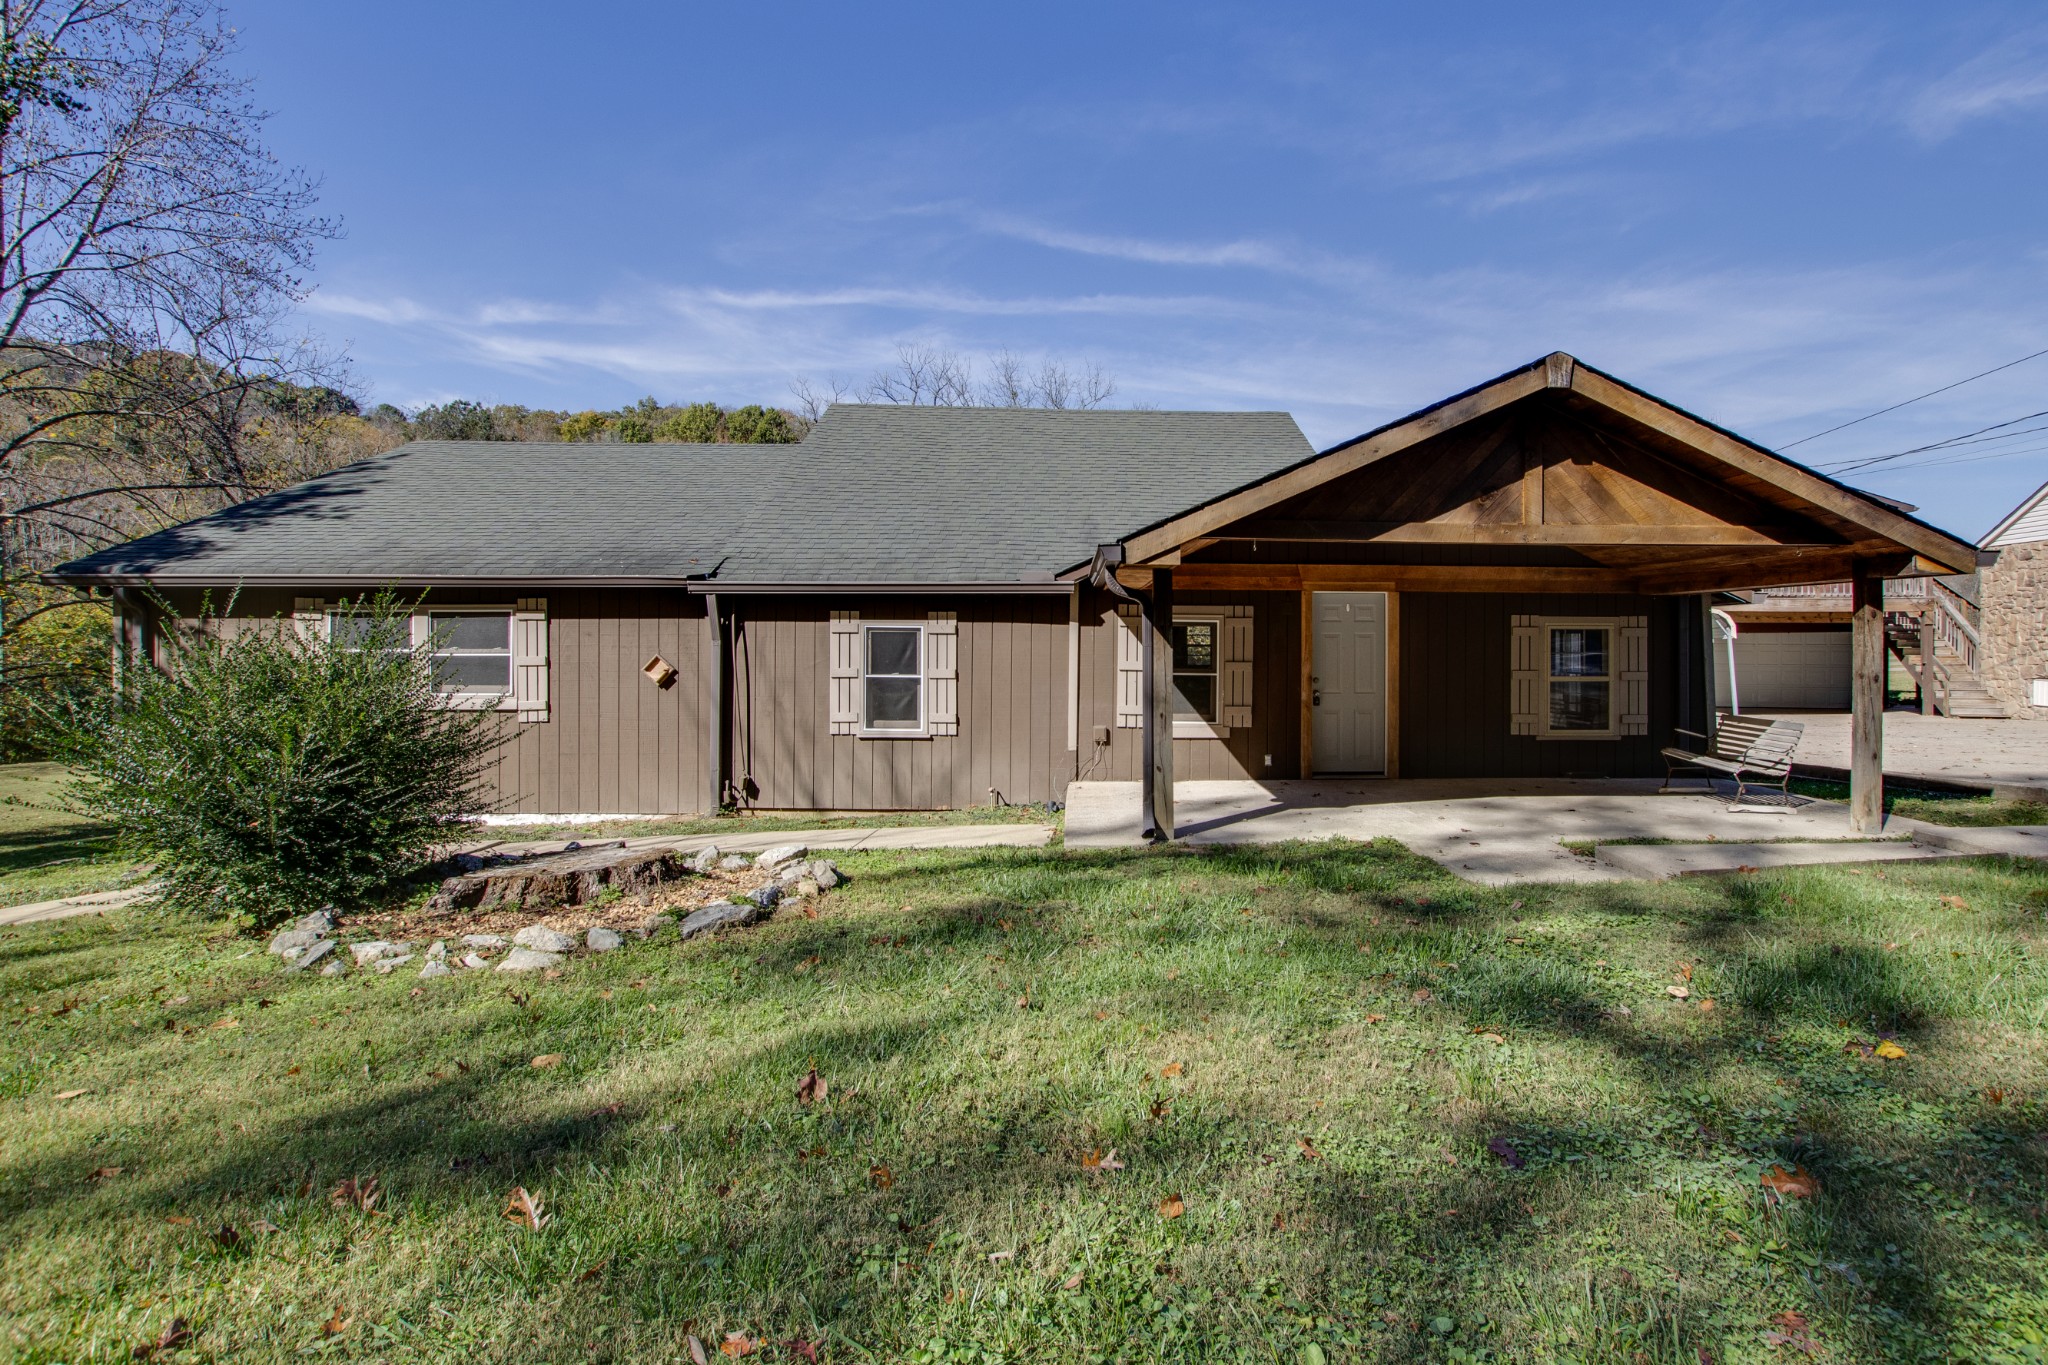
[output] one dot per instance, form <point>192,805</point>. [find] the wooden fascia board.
<point>1771,469</point>
<point>1337,463</point>
<point>1514,533</point>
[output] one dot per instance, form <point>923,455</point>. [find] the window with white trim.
<point>1195,669</point>
<point>355,631</point>
<point>1579,678</point>
<point>892,679</point>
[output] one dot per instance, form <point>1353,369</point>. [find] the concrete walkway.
<point>839,840</point>
<point>1991,752</point>
<point>1484,830</point>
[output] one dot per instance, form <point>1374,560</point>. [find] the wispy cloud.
<point>2008,78</point>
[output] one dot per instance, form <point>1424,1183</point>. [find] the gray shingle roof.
<point>874,495</point>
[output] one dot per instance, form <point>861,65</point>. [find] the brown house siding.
<point>1012,697</point>
<point>613,742</point>
<point>1276,695</point>
<point>1456,678</point>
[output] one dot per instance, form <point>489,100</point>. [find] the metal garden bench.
<point>1754,751</point>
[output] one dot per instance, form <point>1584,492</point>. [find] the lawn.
<point>47,852</point>
<point>1358,1110</point>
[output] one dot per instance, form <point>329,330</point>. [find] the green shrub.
<point>267,774</point>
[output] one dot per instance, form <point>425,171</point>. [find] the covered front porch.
<point>1509,587</point>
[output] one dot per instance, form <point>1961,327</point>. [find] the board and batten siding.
<point>613,743</point>
<point>1276,695</point>
<point>1012,679</point>
<point>1456,682</point>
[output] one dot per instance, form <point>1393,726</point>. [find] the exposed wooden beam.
<point>1513,533</point>
<point>1342,460</point>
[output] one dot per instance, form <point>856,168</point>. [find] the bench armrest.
<point>1680,729</point>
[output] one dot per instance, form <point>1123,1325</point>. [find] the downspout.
<point>1074,684</point>
<point>717,708</point>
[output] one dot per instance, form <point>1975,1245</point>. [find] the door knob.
<point>1315,699</point>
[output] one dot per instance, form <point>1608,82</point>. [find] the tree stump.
<point>559,879</point>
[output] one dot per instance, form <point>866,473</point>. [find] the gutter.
<point>696,585</point>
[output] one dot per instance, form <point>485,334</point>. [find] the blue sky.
<point>1781,217</point>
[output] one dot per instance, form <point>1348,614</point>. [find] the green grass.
<point>1936,808</point>
<point>1293,1040</point>
<point>47,852</point>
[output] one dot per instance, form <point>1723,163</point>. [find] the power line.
<point>1896,406</point>
<point>1845,466</point>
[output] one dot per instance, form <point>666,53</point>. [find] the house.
<point>2011,645</point>
<point>941,607</point>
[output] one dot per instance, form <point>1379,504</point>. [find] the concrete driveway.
<point>1993,752</point>
<point>1484,830</point>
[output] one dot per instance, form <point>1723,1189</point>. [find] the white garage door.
<point>1805,670</point>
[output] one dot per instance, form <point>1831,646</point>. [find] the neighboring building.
<point>938,607</point>
<point>2013,604</point>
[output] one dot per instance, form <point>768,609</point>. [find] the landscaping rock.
<point>826,874</point>
<point>435,967</point>
<point>805,888</point>
<point>653,925</point>
<point>572,877</point>
<point>337,966</point>
<point>706,860</point>
<point>766,896</point>
<point>437,951</point>
<point>544,939</point>
<point>482,941</point>
<point>292,942</point>
<point>602,940</point>
<point>720,916</point>
<point>318,952</point>
<point>388,965</point>
<point>733,862</point>
<point>474,961</point>
<point>320,922</point>
<point>769,859</point>
<point>371,951</point>
<point>528,960</point>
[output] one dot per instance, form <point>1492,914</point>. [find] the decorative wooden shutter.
<point>1235,710</point>
<point>530,659</point>
<point>844,700</point>
<point>309,616</point>
<point>1634,718</point>
<point>1525,692</point>
<point>1130,668</point>
<point>942,672</point>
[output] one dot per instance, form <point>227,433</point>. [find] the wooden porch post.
<point>1927,657</point>
<point>715,739</point>
<point>1866,701</point>
<point>1157,644</point>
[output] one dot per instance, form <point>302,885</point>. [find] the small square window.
<point>472,651</point>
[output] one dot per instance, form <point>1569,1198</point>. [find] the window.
<point>1580,679</point>
<point>1194,670</point>
<point>472,652</point>
<point>892,679</point>
<point>356,631</point>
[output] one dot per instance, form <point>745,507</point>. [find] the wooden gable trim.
<point>1560,371</point>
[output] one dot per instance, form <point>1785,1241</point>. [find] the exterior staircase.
<point>1950,686</point>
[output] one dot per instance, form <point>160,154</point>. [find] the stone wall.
<point>2014,626</point>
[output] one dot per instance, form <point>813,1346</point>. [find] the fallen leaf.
<point>1889,1050</point>
<point>1745,867</point>
<point>546,1060</point>
<point>292,1071</point>
<point>264,1225</point>
<point>881,1176</point>
<point>178,1220</point>
<point>1101,1015</point>
<point>1172,1207</point>
<point>1991,1093</point>
<point>1375,1018</point>
<point>1279,1222</point>
<point>1798,1183</point>
<point>1421,995</point>
<point>1857,1047</point>
<point>1494,1038</point>
<point>801,1349</point>
<point>1678,992</point>
<point>587,1276</point>
<point>71,1094</point>
<point>996,1257</point>
<point>1024,1001</point>
<point>176,1334</point>
<point>525,1209</point>
<point>1505,1150</point>
<point>335,1325</point>
<point>1955,902</point>
<point>812,1087</point>
<point>109,1172</point>
<point>1308,1149</point>
<point>1095,1161</point>
<point>697,1356</point>
<point>359,1191</point>
<point>225,1023</point>
<point>1159,1108</point>
<point>227,1238</point>
<point>738,1344</point>
<point>1790,1329</point>
<point>810,911</point>
<point>1707,1004</point>
<point>1072,1282</point>
<point>1170,1070</point>
<point>1685,971</point>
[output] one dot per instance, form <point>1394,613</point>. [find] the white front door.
<point>1348,682</point>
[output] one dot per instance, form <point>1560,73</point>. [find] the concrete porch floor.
<point>1485,830</point>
